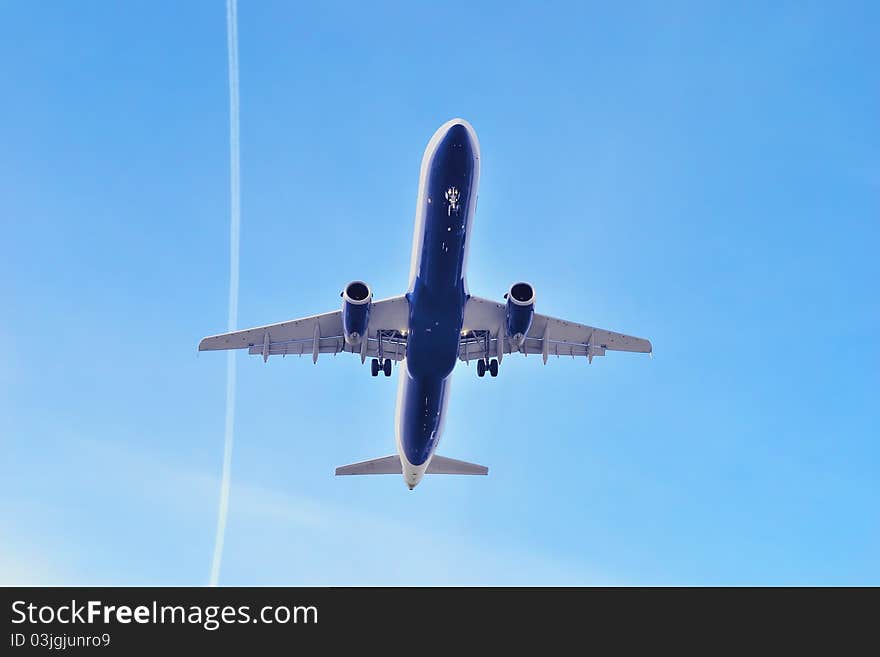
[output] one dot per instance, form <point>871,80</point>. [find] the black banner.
<point>136,620</point>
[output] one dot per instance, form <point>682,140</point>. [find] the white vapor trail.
<point>234,238</point>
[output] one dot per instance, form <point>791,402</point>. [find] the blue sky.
<point>700,174</point>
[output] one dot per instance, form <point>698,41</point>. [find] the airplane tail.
<point>391,465</point>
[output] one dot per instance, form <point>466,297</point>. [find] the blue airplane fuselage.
<point>438,291</point>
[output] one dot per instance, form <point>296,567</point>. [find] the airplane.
<point>436,323</point>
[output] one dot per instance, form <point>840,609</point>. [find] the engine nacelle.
<point>357,297</point>
<point>520,311</point>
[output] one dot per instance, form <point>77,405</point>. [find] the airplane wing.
<point>484,322</point>
<point>322,334</point>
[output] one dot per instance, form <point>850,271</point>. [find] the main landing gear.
<point>385,367</point>
<point>485,364</point>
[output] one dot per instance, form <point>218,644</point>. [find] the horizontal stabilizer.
<point>443,465</point>
<point>391,465</point>
<point>384,465</point>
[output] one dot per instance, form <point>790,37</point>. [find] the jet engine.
<point>520,310</point>
<point>357,297</point>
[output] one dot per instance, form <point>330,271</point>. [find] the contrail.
<point>234,234</point>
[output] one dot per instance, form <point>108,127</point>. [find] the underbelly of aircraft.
<point>421,417</point>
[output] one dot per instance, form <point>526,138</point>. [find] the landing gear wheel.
<point>481,368</point>
<point>493,367</point>
<point>374,367</point>
<point>387,367</point>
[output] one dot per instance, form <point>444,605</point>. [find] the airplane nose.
<point>455,138</point>
<point>458,133</point>
<point>458,141</point>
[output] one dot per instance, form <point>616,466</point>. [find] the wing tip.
<point>208,343</point>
